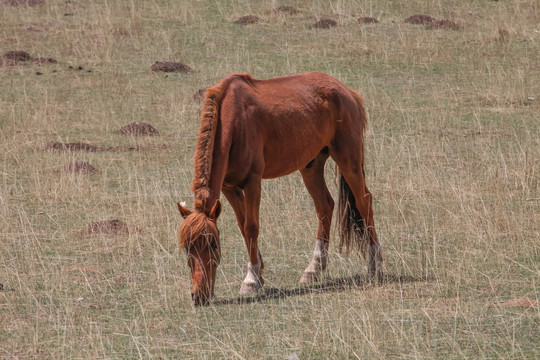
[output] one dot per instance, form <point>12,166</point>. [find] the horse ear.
<point>216,211</point>
<point>183,211</point>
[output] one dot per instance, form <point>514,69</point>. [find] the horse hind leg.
<point>353,172</point>
<point>313,176</point>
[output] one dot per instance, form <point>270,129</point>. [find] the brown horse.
<point>258,129</point>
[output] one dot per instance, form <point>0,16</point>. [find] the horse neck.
<point>206,198</point>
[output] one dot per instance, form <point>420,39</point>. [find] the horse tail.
<point>210,114</point>
<point>352,232</point>
<point>352,226</point>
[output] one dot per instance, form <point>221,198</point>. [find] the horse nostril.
<point>192,296</point>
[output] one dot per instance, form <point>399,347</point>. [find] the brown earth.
<point>19,57</point>
<point>70,147</point>
<point>138,129</point>
<point>135,148</point>
<point>325,23</point>
<point>107,227</point>
<point>79,167</point>
<point>419,19</point>
<point>367,20</point>
<point>44,61</point>
<point>14,57</point>
<point>171,66</point>
<point>24,2</point>
<point>247,19</point>
<point>92,148</point>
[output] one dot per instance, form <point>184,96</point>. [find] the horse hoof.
<point>309,277</point>
<point>377,277</point>
<point>250,288</point>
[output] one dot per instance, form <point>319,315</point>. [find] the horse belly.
<point>287,154</point>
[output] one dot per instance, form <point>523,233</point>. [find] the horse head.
<point>199,236</point>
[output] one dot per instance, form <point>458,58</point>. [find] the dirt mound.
<point>138,129</point>
<point>171,66</point>
<point>284,9</point>
<point>325,23</point>
<point>79,167</point>
<point>70,146</point>
<point>18,57</point>
<point>419,19</point>
<point>247,19</point>
<point>14,57</point>
<point>24,2</point>
<point>44,61</point>
<point>107,227</point>
<point>367,20</point>
<point>92,148</point>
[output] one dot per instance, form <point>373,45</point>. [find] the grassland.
<point>453,161</point>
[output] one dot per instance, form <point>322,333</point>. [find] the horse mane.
<point>196,228</point>
<point>205,141</point>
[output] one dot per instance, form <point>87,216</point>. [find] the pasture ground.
<point>453,161</point>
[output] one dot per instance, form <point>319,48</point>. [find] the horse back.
<point>279,125</point>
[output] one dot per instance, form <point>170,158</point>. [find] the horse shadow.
<point>330,285</point>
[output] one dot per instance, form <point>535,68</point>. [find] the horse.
<point>253,129</point>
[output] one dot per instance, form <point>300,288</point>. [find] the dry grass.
<point>453,162</point>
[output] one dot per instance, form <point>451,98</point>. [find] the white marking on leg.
<point>318,262</point>
<point>320,254</point>
<point>254,271</point>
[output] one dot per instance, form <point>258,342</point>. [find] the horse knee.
<point>251,230</point>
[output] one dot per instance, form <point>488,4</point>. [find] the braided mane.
<point>205,141</point>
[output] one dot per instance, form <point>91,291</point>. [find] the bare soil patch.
<point>86,147</point>
<point>20,57</point>
<point>247,19</point>
<point>107,227</point>
<point>79,167</point>
<point>171,66</point>
<point>44,61</point>
<point>138,129</point>
<point>285,9</point>
<point>15,57</point>
<point>325,23</point>
<point>419,19</point>
<point>70,146</point>
<point>136,147</point>
<point>367,20</point>
<point>431,22</point>
<point>24,2</point>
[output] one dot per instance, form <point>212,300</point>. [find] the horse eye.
<point>214,245</point>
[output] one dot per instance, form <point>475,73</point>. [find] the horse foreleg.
<point>324,205</point>
<point>235,196</point>
<point>253,280</point>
